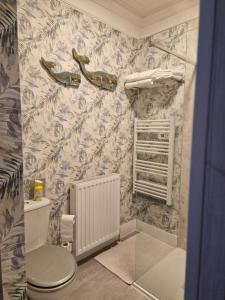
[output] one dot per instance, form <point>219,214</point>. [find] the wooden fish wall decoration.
<point>64,78</point>
<point>100,79</point>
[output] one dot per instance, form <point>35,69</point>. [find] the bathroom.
<point>97,103</point>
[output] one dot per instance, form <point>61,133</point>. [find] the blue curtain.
<point>205,275</point>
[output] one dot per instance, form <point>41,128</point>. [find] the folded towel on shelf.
<point>149,77</point>
<point>148,83</point>
<point>140,83</point>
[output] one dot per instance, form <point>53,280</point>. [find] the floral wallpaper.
<point>11,193</point>
<point>71,134</point>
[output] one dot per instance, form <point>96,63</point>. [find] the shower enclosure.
<point>160,250</point>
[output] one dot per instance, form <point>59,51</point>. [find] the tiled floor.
<point>166,279</point>
<point>95,282</point>
<point>133,257</point>
<point>159,267</point>
<point>153,265</point>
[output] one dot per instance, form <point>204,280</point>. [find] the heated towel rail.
<point>154,139</point>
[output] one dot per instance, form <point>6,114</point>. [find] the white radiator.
<point>96,204</point>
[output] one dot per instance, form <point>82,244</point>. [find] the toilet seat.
<point>50,268</point>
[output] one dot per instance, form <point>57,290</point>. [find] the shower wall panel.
<point>151,103</point>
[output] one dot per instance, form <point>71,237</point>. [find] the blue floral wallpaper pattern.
<point>71,134</point>
<point>11,192</point>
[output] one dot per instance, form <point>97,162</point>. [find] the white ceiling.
<point>139,18</point>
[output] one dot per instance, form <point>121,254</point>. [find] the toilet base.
<point>58,294</point>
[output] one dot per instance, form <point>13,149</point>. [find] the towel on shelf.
<point>150,77</point>
<point>141,83</point>
<point>147,83</point>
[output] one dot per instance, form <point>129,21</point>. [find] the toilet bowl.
<point>50,269</point>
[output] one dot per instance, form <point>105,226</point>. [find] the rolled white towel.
<point>155,74</point>
<point>148,83</point>
<point>141,83</point>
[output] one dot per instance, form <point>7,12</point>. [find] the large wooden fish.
<point>100,79</point>
<point>64,78</point>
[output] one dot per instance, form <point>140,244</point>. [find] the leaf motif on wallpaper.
<point>4,79</point>
<point>8,27</point>
<point>98,151</point>
<point>100,79</point>
<point>34,110</point>
<point>64,78</point>
<point>12,243</point>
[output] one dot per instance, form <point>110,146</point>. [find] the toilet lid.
<point>50,266</point>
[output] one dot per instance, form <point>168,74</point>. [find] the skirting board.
<point>162,235</point>
<point>128,229</point>
<point>135,225</point>
<point>132,227</point>
<point>95,250</point>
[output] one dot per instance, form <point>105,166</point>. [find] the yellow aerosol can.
<point>38,190</point>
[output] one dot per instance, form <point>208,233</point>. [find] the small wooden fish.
<point>64,78</point>
<point>100,79</point>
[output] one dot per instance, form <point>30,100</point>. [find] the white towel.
<point>141,83</point>
<point>67,228</point>
<point>155,74</point>
<point>148,83</point>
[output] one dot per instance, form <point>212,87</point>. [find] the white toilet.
<point>49,269</point>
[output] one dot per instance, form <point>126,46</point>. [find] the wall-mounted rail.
<point>158,143</point>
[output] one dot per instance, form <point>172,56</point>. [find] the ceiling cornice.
<point>173,20</point>
<point>138,28</point>
<point>105,16</point>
